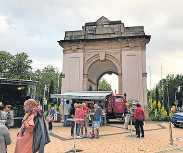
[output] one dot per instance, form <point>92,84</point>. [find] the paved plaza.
<point>115,139</point>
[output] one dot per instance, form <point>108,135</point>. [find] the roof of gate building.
<point>103,28</point>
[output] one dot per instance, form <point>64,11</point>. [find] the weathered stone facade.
<point>103,47</point>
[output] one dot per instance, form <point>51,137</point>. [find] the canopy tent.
<point>83,95</point>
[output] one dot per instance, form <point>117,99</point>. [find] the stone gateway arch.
<point>104,47</point>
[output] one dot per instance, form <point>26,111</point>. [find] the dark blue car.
<point>177,119</point>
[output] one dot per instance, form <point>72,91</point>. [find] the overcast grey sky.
<point>35,26</point>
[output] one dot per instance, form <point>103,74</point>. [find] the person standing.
<point>51,114</point>
<point>4,137</point>
<point>3,113</point>
<point>72,113</point>
<point>33,134</point>
<point>127,116</point>
<point>79,117</point>
<point>97,119</point>
<point>139,120</point>
<point>9,116</point>
<point>66,109</point>
<point>85,124</point>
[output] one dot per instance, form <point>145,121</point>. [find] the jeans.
<point>78,127</point>
<point>84,126</point>
<point>139,128</point>
<point>66,123</point>
<point>72,128</point>
<point>127,120</point>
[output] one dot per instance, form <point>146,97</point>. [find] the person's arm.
<point>7,137</point>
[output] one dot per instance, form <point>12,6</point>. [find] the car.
<point>177,119</point>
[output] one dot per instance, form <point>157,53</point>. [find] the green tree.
<point>166,92</point>
<point>104,85</point>
<point>48,76</point>
<point>20,66</point>
<point>5,60</point>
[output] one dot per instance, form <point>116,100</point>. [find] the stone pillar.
<point>120,84</point>
<point>144,82</point>
<point>85,82</point>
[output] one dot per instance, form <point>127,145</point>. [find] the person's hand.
<point>20,132</point>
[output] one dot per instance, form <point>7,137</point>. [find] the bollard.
<point>170,130</point>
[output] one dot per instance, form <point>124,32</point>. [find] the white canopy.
<point>87,95</point>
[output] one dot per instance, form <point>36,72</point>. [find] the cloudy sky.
<point>34,26</point>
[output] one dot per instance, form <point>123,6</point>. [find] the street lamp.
<point>61,76</point>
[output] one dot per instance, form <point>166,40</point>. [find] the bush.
<point>157,113</point>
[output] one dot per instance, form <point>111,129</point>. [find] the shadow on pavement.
<point>110,134</point>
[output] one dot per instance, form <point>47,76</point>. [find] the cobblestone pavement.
<point>114,139</point>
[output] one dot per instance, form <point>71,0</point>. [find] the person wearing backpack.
<point>139,120</point>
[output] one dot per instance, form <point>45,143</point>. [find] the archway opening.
<point>105,71</point>
<point>107,82</point>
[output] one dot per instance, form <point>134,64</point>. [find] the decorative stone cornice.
<point>104,29</point>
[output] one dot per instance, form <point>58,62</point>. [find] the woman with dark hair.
<point>139,120</point>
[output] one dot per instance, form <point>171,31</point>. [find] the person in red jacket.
<point>79,115</point>
<point>139,120</point>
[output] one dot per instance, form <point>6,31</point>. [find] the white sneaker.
<point>78,137</point>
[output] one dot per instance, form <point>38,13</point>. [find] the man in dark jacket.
<point>139,120</point>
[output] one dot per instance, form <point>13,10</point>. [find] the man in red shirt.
<point>139,120</point>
